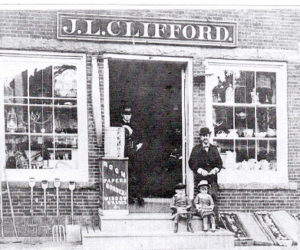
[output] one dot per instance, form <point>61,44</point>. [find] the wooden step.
<point>145,222</point>
<point>152,231</point>
<point>156,240</point>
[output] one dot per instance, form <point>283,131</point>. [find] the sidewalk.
<point>71,246</point>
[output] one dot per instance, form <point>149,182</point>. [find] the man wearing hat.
<point>206,163</point>
<point>132,145</point>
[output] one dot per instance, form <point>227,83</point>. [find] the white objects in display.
<point>229,162</point>
<point>233,133</point>
<point>248,132</point>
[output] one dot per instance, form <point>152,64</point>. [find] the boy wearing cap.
<point>204,206</point>
<point>180,206</point>
<point>205,161</point>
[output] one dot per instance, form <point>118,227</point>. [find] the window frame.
<point>280,68</point>
<point>74,174</point>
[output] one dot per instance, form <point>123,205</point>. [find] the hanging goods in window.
<point>12,123</point>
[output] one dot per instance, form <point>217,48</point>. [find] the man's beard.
<point>205,141</point>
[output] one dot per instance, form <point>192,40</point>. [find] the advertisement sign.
<point>115,184</point>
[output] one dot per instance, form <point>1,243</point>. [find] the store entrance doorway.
<point>154,91</point>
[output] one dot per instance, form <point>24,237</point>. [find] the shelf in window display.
<point>251,105</point>
<point>69,149</point>
<point>41,97</point>
<point>244,138</point>
<point>42,105</point>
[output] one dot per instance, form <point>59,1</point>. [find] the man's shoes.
<point>131,200</point>
<point>140,201</point>
<point>176,228</point>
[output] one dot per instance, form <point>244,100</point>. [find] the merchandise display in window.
<point>41,117</point>
<point>244,119</point>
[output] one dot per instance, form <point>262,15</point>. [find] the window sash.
<point>239,176</point>
<point>44,58</point>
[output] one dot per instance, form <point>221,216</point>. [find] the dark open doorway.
<point>153,90</point>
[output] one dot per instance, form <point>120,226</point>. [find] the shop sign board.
<point>114,184</point>
<point>150,31</point>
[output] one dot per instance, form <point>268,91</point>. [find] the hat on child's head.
<point>180,186</point>
<point>203,183</point>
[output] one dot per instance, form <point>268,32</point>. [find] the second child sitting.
<point>204,206</point>
<point>180,206</point>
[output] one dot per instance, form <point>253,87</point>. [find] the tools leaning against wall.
<point>44,187</point>
<point>58,231</point>
<point>32,225</point>
<point>73,232</point>
<point>3,173</point>
<point>72,187</point>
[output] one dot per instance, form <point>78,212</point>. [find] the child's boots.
<point>176,228</point>
<point>189,227</point>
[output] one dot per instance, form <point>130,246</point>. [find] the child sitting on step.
<point>180,206</point>
<point>204,206</point>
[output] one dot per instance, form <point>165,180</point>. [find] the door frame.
<point>187,102</point>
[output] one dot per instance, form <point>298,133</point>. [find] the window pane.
<point>16,151</point>
<point>40,82</point>
<point>65,120</point>
<point>16,85</point>
<point>244,86</point>
<point>266,87</point>
<point>41,119</point>
<point>245,121</point>
<point>65,81</point>
<point>225,80</point>
<point>40,151</point>
<point>16,119</point>
<point>223,121</point>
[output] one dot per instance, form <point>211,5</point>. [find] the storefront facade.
<point>239,77</point>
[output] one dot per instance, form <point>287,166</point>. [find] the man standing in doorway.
<point>206,163</point>
<point>132,146</point>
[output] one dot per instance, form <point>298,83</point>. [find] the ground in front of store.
<point>35,244</point>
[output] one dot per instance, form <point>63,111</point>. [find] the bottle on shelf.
<point>229,94</point>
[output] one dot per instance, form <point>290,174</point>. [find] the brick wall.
<point>258,30</point>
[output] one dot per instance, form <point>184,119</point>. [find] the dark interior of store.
<point>153,90</point>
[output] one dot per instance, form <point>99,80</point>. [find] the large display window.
<point>246,110</point>
<point>43,98</point>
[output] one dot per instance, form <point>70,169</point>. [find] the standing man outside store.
<point>132,145</point>
<point>206,163</point>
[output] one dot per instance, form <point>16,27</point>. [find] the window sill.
<point>259,186</point>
